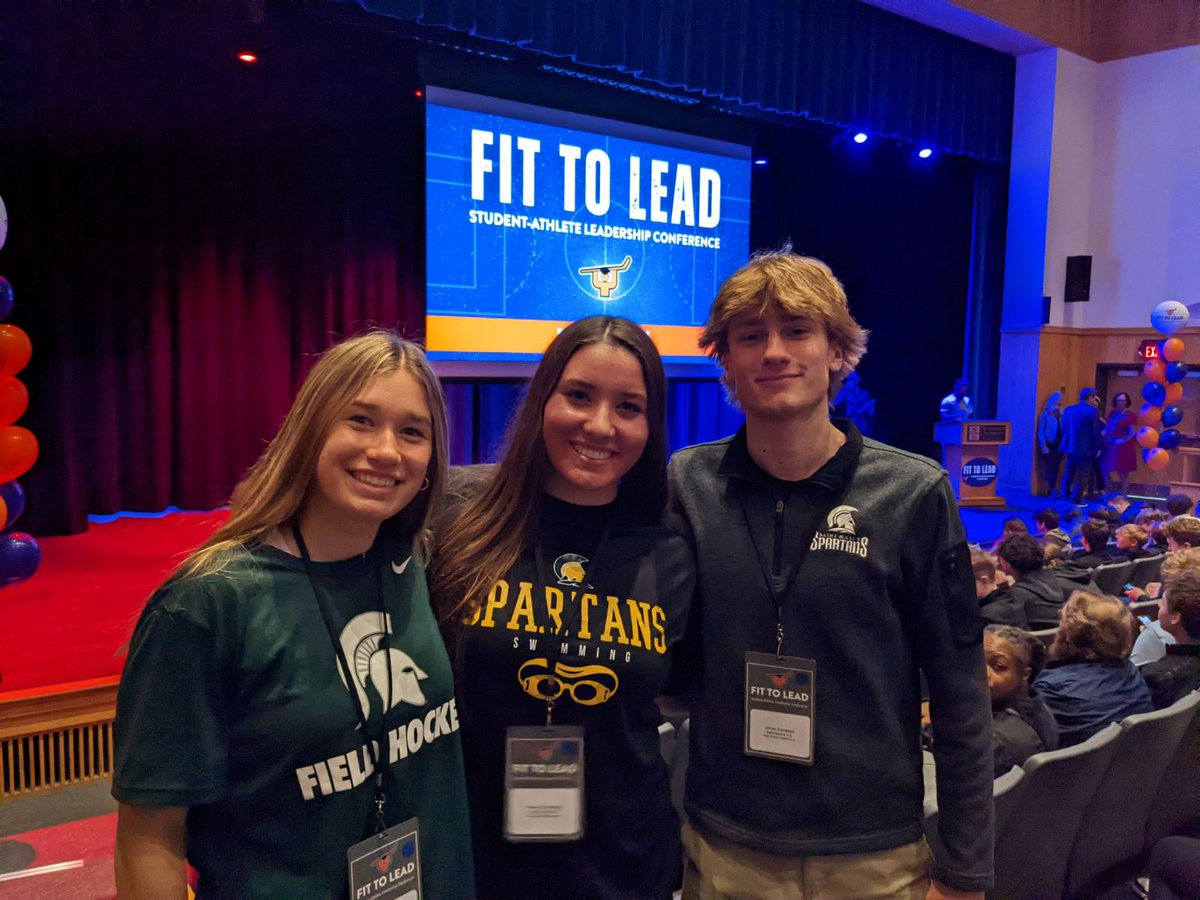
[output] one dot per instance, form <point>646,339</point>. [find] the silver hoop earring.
<point>424,485</point>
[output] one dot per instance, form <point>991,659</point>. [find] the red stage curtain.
<point>176,297</point>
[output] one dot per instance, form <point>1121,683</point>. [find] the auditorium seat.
<point>679,764</point>
<point>1045,635</point>
<point>1146,570</point>
<point>1006,791</point>
<point>666,741</point>
<point>1111,578</point>
<point>1110,845</point>
<point>1176,808</point>
<point>1034,845</point>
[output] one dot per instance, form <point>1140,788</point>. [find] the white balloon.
<point>1169,316</point>
<point>3,222</point>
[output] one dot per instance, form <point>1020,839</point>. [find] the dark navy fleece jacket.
<point>885,588</point>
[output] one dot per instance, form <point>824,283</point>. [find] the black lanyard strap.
<point>374,740</point>
<point>814,513</point>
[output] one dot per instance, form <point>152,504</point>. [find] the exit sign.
<point>1148,350</point>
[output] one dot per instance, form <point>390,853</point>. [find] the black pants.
<point>1050,463</point>
<point>1079,468</point>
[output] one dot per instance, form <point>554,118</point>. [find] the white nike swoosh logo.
<point>399,569</point>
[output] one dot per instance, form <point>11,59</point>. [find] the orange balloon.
<point>14,400</point>
<point>3,513</point>
<point>1174,394</point>
<point>1155,370</point>
<point>1158,459</point>
<point>1150,416</point>
<point>18,452</point>
<point>1148,437</point>
<point>1173,349</point>
<point>15,349</point>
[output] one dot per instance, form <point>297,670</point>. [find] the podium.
<point>970,454</point>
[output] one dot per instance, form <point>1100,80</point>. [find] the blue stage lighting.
<point>761,161</point>
<point>860,138</point>
<point>925,153</point>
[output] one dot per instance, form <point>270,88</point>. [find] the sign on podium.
<point>971,454</point>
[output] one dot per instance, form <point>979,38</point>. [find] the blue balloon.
<point>1170,438</point>
<point>19,557</point>
<point>1172,416</point>
<point>13,496</point>
<point>1154,393</point>
<point>1176,371</point>
<point>6,298</point>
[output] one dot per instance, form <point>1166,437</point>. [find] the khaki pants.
<point>717,869</point>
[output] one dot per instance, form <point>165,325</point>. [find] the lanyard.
<point>374,742</point>
<point>808,531</point>
<point>552,689</point>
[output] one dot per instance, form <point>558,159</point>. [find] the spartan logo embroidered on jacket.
<point>841,533</point>
<point>569,569</point>
<point>362,642</point>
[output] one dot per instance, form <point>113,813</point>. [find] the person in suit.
<point>1080,443</point>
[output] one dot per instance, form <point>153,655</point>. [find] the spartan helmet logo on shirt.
<point>362,642</point>
<point>841,520</point>
<point>570,568</point>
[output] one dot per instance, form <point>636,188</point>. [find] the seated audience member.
<point>1131,541</point>
<point>1053,553</point>
<point>1126,510</point>
<point>1181,532</point>
<point>1011,527</point>
<point>1152,520</point>
<point>1176,672</point>
<point>1047,526</point>
<point>1179,505</point>
<point>1089,681</point>
<point>996,602</point>
<point>1095,550</point>
<point>1022,724</point>
<point>1036,590</point>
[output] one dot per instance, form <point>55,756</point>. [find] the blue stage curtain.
<point>838,62</point>
<point>480,411</point>
<point>985,291</point>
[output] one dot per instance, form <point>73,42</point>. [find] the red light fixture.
<point>418,93</point>
<point>247,57</point>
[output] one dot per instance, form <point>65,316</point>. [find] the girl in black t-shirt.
<point>560,591</point>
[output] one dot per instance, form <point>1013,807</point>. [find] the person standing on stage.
<point>1120,451</point>
<point>287,704</point>
<point>1049,436</point>
<point>1080,443</point>
<point>830,570</point>
<point>566,600</point>
<point>956,406</point>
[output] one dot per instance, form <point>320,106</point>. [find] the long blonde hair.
<point>274,488</point>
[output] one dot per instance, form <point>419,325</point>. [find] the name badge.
<point>543,783</point>
<point>387,865</point>
<point>779,707</point>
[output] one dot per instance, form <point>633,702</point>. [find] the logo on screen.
<point>605,278</point>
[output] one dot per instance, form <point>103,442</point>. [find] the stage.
<point>70,622</point>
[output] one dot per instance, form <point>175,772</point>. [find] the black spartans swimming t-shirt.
<point>620,631</point>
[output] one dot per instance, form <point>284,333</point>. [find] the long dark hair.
<point>487,536</point>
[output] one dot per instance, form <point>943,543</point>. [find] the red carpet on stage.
<point>70,621</point>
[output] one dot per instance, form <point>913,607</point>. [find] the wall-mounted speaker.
<point>1079,279</point>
